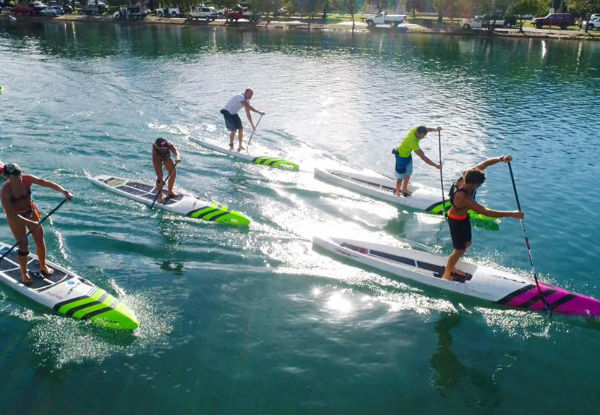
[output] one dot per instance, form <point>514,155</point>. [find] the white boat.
<point>483,282</point>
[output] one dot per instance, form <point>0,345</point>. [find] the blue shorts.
<point>232,121</point>
<point>408,171</point>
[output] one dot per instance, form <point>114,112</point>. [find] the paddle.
<point>255,127</point>
<point>164,182</point>
<point>546,305</point>
<point>29,233</point>
<point>441,173</point>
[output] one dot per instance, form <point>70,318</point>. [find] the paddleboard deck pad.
<point>66,293</point>
<point>383,188</point>
<point>483,282</point>
<point>183,204</point>
<point>262,160</point>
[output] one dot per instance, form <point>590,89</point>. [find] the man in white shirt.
<point>232,119</point>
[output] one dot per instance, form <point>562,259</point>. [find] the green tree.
<point>526,7</point>
<point>584,8</point>
<point>350,6</point>
<point>268,8</point>
<point>310,8</point>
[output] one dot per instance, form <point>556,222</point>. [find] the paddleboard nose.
<point>120,318</point>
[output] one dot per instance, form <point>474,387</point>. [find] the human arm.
<point>249,116</point>
<point>249,107</point>
<point>462,199</point>
<point>51,185</point>
<point>174,150</point>
<point>427,159</point>
<point>492,161</point>
<point>431,130</point>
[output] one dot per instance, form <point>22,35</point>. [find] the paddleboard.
<point>67,293</point>
<point>382,188</point>
<point>183,204</point>
<point>244,155</point>
<point>483,282</point>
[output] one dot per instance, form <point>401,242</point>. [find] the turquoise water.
<point>256,321</point>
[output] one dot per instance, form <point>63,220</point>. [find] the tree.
<point>584,8</point>
<point>310,7</point>
<point>268,7</point>
<point>526,7</point>
<point>351,6</point>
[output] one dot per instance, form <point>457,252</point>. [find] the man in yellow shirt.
<point>404,157</point>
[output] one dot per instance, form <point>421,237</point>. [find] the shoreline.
<point>316,25</point>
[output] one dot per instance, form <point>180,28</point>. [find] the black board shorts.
<point>232,121</point>
<point>460,231</point>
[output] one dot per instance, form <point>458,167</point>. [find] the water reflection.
<point>451,378</point>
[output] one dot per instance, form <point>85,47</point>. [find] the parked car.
<point>59,10</point>
<point>592,23</point>
<point>6,5</point>
<point>203,12</point>
<point>241,13</point>
<point>94,8</point>
<point>169,12</point>
<point>383,18</point>
<point>561,20</point>
<point>129,13</point>
<point>24,9</point>
<point>49,12</point>
<point>480,22</point>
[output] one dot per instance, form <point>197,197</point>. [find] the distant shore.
<point>318,25</point>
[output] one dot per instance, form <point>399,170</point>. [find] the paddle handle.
<point>29,232</point>
<point>255,127</point>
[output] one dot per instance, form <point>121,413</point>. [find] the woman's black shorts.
<point>460,231</point>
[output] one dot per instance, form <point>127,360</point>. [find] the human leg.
<point>158,168</point>
<point>170,165</point>
<point>231,137</point>
<point>37,232</point>
<point>451,264</point>
<point>241,137</point>
<point>20,233</point>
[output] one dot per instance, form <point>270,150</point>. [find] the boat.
<point>66,293</point>
<point>479,281</point>
<point>261,160</point>
<point>382,188</point>
<point>183,204</point>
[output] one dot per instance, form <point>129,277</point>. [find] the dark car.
<point>561,20</point>
<point>24,9</point>
<point>6,5</point>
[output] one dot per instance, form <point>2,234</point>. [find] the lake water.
<point>255,320</point>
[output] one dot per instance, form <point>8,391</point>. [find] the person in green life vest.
<point>404,157</point>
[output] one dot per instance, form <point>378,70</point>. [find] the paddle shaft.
<point>164,182</point>
<point>546,305</point>
<point>441,173</point>
<point>255,127</point>
<point>29,232</point>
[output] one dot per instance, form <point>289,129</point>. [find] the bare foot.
<point>172,195</point>
<point>240,148</point>
<point>26,281</point>
<point>47,271</point>
<point>406,193</point>
<point>231,146</point>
